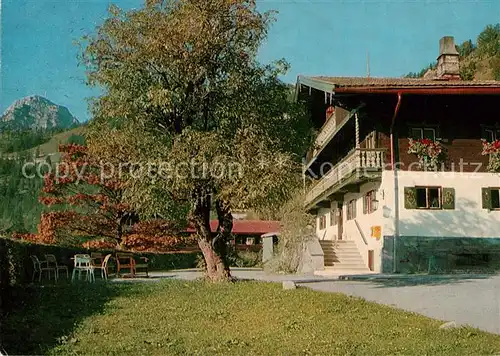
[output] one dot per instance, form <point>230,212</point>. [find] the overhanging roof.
<point>400,85</point>
<point>246,227</point>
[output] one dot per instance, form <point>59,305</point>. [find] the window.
<point>322,222</point>
<point>418,133</point>
<point>369,202</point>
<point>429,198</point>
<point>491,198</point>
<point>333,216</point>
<point>351,210</point>
<point>491,133</point>
<point>495,201</point>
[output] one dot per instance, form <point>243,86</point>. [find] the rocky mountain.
<point>36,112</point>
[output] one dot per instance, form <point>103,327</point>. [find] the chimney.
<point>447,66</point>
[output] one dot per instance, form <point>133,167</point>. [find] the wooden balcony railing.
<point>326,132</point>
<point>359,160</point>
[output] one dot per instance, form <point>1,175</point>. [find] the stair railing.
<point>361,232</point>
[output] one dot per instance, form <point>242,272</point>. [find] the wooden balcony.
<point>358,165</point>
<point>326,132</point>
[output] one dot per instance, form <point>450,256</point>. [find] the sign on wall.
<point>376,232</point>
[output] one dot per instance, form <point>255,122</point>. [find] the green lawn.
<point>175,317</point>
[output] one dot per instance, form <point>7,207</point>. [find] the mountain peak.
<point>36,112</point>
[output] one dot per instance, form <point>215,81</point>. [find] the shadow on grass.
<point>43,316</point>
<point>424,280</point>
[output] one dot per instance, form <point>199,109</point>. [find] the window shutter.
<point>354,209</point>
<point>448,198</point>
<point>486,194</point>
<point>374,198</point>
<point>365,207</point>
<point>410,197</point>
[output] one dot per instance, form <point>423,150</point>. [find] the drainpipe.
<point>396,189</point>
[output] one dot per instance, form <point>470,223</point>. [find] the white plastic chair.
<point>40,267</point>
<point>83,263</point>
<point>104,267</point>
<point>52,261</point>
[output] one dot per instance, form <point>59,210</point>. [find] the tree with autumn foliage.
<point>182,84</point>
<point>89,200</point>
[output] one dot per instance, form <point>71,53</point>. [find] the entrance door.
<point>340,221</point>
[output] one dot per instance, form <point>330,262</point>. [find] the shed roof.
<point>246,227</point>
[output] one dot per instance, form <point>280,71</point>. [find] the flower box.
<point>429,152</point>
<point>492,149</point>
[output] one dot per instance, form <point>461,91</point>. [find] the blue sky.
<point>326,37</point>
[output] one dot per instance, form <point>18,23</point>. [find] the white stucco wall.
<point>365,221</point>
<point>330,232</point>
<point>350,230</point>
<point>468,219</point>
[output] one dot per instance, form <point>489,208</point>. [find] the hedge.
<point>16,267</point>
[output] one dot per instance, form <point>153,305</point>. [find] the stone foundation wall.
<point>417,254</point>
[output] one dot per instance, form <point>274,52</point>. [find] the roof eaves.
<point>464,90</point>
<point>316,84</point>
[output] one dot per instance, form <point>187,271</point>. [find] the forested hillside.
<point>19,206</point>
<point>479,60</point>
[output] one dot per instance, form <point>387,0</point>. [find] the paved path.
<point>472,300</point>
<point>239,273</point>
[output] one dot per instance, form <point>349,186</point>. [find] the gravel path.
<point>474,301</point>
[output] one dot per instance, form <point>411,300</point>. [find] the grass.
<point>246,318</point>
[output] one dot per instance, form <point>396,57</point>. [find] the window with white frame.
<point>369,202</point>
<point>322,222</point>
<point>351,210</point>
<point>428,197</point>
<point>419,133</point>
<point>491,198</point>
<point>491,133</point>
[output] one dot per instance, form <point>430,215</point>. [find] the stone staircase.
<point>343,256</point>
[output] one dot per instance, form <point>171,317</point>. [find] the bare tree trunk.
<point>119,233</point>
<point>224,229</point>
<point>211,245</point>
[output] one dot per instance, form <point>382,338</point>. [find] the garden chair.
<point>143,265</point>
<point>40,267</point>
<point>51,260</point>
<point>97,258</point>
<point>83,263</point>
<point>104,267</point>
<point>124,261</point>
<point>127,261</point>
